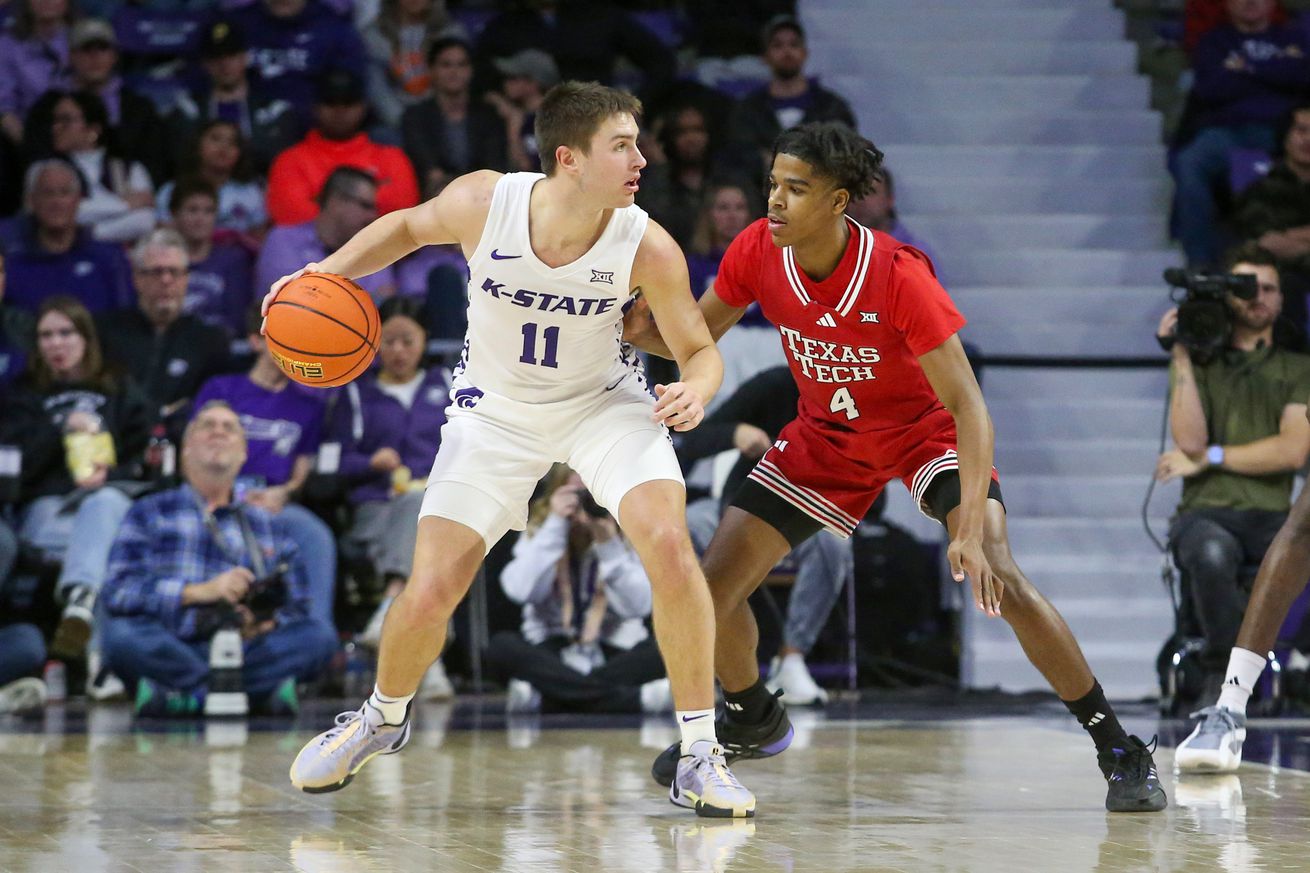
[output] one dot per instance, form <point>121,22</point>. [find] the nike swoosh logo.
<point>497,256</point>
<point>685,719</point>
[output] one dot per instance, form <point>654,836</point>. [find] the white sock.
<point>696,725</point>
<point>391,708</point>
<point>1244,669</point>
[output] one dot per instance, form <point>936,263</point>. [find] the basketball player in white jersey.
<point>544,377</point>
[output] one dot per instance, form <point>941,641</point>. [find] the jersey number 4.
<point>551,337</point>
<point>842,401</point>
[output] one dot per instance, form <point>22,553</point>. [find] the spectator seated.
<point>583,645</point>
<point>82,433</point>
<point>49,254</point>
<point>185,563</point>
<point>283,427</point>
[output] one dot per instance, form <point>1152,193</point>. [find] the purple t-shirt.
<point>96,273</point>
<point>219,288</point>
<point>280,425</point>
<point>289,247</point>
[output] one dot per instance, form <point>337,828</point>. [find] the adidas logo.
<point>827,320</point>
<point>1096,719</point>
<point>735,707</point>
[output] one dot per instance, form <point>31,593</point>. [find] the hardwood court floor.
<point>980,794</point>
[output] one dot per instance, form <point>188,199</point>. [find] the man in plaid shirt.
<point>183,562</point>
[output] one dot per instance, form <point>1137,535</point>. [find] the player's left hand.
<point>1174,464</point>
<point>678,406</point>
<point>967,559</point>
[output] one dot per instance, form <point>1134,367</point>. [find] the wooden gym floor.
<point>928,789</point>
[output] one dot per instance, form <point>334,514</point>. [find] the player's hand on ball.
<point>276,287</point>
<point>967,559</point>
<point>679,406</point>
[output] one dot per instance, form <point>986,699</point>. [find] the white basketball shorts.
<point>494,450</point>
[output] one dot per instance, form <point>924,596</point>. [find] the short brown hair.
<point>1251,252</point>
<point>572,112</point>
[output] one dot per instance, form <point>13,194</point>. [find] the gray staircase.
<point>1027,157</point>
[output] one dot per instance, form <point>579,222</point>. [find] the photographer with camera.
<point>1238,420</point>
<point>190,561</point>
<point>583,645</point>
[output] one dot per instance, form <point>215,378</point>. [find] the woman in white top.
<point>120,196</point>
<point>583,645</point>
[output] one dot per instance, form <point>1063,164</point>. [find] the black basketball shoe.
<point>764,739</point>
<point>1134,783</point>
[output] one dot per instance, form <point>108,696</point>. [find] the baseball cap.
<point>337,87</point>
<point>221,39</point>
<point>92,31</point>
<point>532,64</point>
<point>782,22</point>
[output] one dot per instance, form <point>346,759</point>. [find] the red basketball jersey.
<point>853,340</point>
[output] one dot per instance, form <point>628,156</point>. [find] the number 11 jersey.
<point>540,334</point>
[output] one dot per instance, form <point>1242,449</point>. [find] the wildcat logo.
<point>467,398</point>
<point>603,278</point>
<point>303,369</point>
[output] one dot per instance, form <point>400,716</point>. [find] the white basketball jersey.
<point>538,334</point>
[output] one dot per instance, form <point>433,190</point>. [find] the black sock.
<point>749,706</point>
<point>1097,717</point>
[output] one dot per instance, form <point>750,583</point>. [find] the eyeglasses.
<point>162,272</point>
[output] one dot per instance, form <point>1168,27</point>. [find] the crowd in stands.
<point>162,164</point>
<point>1247,109</point>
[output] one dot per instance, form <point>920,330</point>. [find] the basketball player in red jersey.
<point>886,393</point>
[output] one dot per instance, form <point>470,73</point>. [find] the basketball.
<point>322,329</point>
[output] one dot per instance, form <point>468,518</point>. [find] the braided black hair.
<point>836,151</point>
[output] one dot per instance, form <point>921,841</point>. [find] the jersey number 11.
<point>551,337</point>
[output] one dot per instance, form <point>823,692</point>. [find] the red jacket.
<point>299,172</point>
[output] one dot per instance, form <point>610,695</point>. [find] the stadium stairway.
<point>1026,156</point>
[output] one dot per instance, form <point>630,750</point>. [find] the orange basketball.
<point>322,329</point>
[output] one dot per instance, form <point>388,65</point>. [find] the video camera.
<point>1205,321</point>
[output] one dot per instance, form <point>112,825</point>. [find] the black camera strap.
<point>256,554</point>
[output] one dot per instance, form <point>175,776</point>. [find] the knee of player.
<point>666,540</point>
<point>433,596</point>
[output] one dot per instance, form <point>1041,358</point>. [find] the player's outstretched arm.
<point>456,215</point>
<point>952,378</point>
<point>640,329</point>
<point>660,272</point>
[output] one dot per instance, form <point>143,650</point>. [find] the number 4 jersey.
<point>537,333</point>
<point>867,413</point>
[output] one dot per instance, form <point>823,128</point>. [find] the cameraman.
<point>1240,433</point>
<point>190,560</point>
<point>583,645</point>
